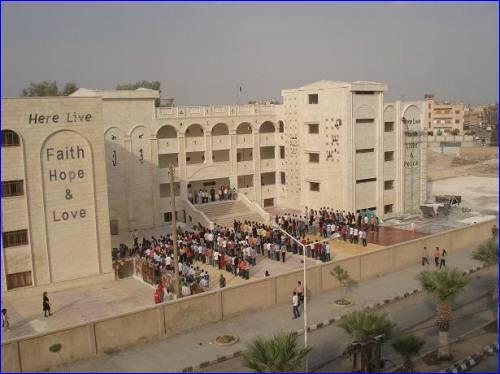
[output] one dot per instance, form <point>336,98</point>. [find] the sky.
<point>203,52</point>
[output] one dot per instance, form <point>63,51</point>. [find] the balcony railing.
<point>170,145</point>
<point>194,144</point>
<point>268,165</point>
<point>267,139</point>
<point>244,141</point>
<point>221,142</point>
<point>245,167</point>
<point>213,111</point>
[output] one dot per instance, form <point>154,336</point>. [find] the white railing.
<point>214,111</point>
<point>197,215</point>
<point>266,217</point>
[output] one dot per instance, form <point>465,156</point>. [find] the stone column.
<point>256,178</point>
<point>127,143</point>
<point>156,181</point>
<point>181,173</point>
<point>233,159</point>
<point>208,148</point>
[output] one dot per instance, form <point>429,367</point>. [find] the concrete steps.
<point>223,213</point>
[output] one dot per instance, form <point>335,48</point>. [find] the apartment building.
<point>444,116</point>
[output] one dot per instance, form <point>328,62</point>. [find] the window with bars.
<point>314,157</point>
<point>17,280</point>
<point>12,188</point>
<point>388,126</point>
<point>10,139</point>
<point>14,238</point>
<point>314,186</point>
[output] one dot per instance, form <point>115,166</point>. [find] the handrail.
<point>254,206</point>
<point>208,223</point>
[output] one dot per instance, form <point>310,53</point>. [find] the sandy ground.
<point>473,161</point>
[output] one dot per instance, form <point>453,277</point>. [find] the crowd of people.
<point>332,224</point>
<point>203,195</point>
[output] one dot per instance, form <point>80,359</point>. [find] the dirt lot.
<point>473,161</point>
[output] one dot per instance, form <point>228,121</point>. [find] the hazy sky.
<point>201,52</point>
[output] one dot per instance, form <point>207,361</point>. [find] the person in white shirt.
<point>185,290</point>
<point>351,232</point>
<point>168,262</point>
<point>295,305</point>
<point>216,258</point>
<point>355,233</point>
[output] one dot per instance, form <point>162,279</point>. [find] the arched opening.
<point>10,139</point>
<point>281,126</point>
<point>244,129</point>
<point>267,127</point>
<point>167,132</point>
<point>194,130</point>
<point>220,129</point>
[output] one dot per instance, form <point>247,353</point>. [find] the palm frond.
<point>445,285</point>
<point>487,253</point>
<point>366,323</point>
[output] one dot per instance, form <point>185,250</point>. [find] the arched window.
<point>167,132</point>
<point>281,126</point>
<point>244,129</point>
<point>10,139</point>
<point>267,127</point>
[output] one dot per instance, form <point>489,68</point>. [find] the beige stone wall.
<point>65,201</point>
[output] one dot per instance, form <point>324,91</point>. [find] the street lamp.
<point>305,282</point>
<point>171,171</point>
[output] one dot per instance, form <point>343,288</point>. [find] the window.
<point>429,114</point>
<point>364,92</point>
<point>388,126</point>
<point>167,216</point>
<point>457,112</point>
<point>429,105</point>
<point>282,151</point>
<point>268,202</point>
<point>388,209</point>
<point>389,156</point>
<point>314,157</point>
<point>313,98</point>
<point>19,280</point>
<point>367,150</point>
<point>388,185</point>
<point>365,120</point>
<point>314,186</point>
<point>283,178</point>
<point>113,227</point>
<point>10,139</point>
<point>12,188</point>
<point>457,121</point>
<point>313,128</point>
<point>359,181</point>
<point>14,238</point>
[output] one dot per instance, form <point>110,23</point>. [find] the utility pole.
<point>171,170</point>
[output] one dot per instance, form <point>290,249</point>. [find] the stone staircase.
<point>223,213</point>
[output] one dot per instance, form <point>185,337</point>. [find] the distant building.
<point>473,117</point>
<point>444,116</point>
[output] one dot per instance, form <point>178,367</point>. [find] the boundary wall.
<point>89,339</point>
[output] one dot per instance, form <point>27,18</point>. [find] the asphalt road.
<point>472,309</point>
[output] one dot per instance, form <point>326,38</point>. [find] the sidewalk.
<point>192,348</point>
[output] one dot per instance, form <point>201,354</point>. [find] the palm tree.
<point>369,329</point>
<point>408,346</point>
<point>444,286</point>
<point>280,353</point>
<point>487,253</point>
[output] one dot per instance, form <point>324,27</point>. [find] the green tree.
<point>444,286</point>
<point>48,88</point>
<point>342,276</point>
<point>44,88</point>
<point>280,353</point>
<point>487,253</point>
<point>152,85</point>
<point>369,329</point>
<point>408,346</point>
<point>69,88</point>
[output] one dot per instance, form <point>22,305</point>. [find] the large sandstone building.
<point>77,169</point>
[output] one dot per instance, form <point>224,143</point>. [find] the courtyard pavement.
<point>196,346</point>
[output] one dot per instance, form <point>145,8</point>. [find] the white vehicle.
<point>488,128</point>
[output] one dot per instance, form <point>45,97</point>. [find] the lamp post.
<point>304,257</point>
<point>171,171</point>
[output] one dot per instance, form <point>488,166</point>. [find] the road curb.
<point>471,361</point>
<point>322,324</point>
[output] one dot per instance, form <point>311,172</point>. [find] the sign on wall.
<point>68,193</point>
<point>412,125</point>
